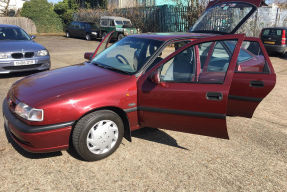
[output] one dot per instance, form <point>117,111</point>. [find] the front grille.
<point>29,54</point>
<point>22,55</point>
<point>17,55</point>
<point>22,67</point>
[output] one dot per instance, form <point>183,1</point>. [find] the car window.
<point>127,22</point>
<point>104,22</point>
<point>11,33</point>
<point>127,55</point>
<point>112,23</point>
<point>77,25</point>
<point>214,58</point>
<point>214,61</point>
<point>251,58</point>
<point>180,68</point>
<point>272,32</point>
<point>82,25</point>
<point>118,22</point>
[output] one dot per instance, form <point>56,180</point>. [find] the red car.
<point>186,82</point>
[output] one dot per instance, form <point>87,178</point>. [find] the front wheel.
<point>97,135</point>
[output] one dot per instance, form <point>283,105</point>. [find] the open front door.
<point>188,90</point>
<point>225,16</point>
<point>103,45</point>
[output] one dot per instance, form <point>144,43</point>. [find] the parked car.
<point>85,30</point>
<point>275,39</point>
<point>18,51</point>
<point>186,82</point>
<point>122,27</point>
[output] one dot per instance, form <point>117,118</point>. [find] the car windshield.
<point>128,55</point>
<point>13,33</point>
<point>223,18</point>
<point>127,23</point>
<point>119,22</point>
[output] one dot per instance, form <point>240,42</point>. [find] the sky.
<point>54,1</point>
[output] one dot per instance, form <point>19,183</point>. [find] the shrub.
<point>42,13</point>
<point>66,9</point>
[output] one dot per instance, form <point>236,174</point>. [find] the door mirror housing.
<point>88,55</point>
<point>155,77</point>
<point>33,36</point>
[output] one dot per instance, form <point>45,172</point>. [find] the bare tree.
<point>4,7</point>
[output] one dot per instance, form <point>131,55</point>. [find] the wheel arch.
<point>118,111</point>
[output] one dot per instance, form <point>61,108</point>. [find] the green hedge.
<point>42,13</point>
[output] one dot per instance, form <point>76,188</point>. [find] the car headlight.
<point>4,55</point>
<point>94,33</point>
<point>43,52</point>
<point>29,113</point>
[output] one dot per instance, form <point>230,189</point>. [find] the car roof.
<point>275,28</point>
<point>6,25</point>
<point>171,36</point>
<point>115,18</point>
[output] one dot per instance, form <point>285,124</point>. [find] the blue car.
<point>18,51</point>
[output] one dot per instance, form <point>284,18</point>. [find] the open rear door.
<point>254,78</point>
<point>225,16</point>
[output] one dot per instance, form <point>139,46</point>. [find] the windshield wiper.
<point>110,68</point>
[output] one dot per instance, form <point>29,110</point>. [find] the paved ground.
<point>254,159</point>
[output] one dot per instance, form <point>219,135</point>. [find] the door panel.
<point>181,102</point>
<point>250,84</point>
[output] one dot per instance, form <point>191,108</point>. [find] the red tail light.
<point>283,37</point>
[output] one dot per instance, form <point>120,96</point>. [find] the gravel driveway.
<point>253,159</point>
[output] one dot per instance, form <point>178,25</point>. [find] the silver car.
<point>18,51</point>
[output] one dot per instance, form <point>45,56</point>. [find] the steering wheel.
<point>122,59</point>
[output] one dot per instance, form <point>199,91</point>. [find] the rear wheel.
<point>97,135</point>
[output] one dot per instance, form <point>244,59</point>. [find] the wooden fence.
<point>27,24</point>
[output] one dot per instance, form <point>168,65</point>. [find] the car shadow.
<point>18,74</point>
<point>28,154</point>
<point>156,135</point>
<point>278,55</point>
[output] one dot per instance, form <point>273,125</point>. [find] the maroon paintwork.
<point>69,93</point>
<point>257,3</point>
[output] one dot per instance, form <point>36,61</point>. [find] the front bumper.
<point>41,63</point>
<point>275,48</point>
<point>36,139</point>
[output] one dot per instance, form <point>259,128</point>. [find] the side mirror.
<point>155,77</point>
<point>33,36</point>
<point>88,55</point>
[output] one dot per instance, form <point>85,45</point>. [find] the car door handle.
<point>256,84</point>
<point>214,96</point>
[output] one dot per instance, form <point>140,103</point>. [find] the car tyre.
<point>68,34</point>
<point>97,135</point>
<point>88,37</point>
<point>104,34</point>
<point>120,36</point>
